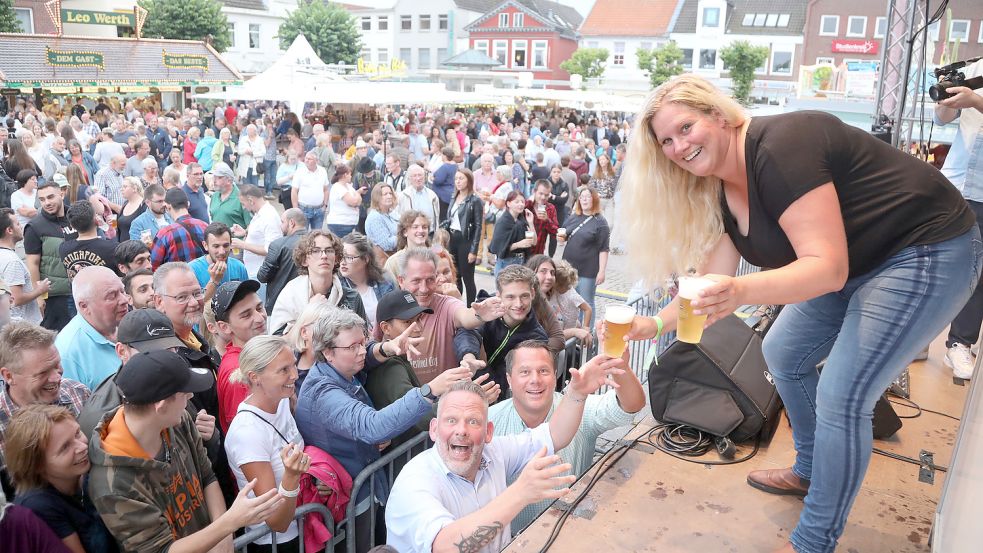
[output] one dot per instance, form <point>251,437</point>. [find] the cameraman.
<point>964,167</point>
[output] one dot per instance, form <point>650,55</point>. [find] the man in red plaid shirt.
<point>182,240</point>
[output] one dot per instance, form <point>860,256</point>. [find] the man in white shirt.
<point>14,272</point>
<point>455,494</point>
<point>418,197</point>
<point>263,230</point>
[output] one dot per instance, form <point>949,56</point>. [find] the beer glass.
<point>689,327</point>
<point>617,323</point>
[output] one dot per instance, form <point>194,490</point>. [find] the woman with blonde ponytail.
<point>872,252</point>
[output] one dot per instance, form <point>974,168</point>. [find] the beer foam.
<point>619,314</point>
<point>689,287</point>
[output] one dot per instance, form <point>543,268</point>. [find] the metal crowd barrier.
<point>251,536</point>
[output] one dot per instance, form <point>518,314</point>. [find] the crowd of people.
<point>214,316</point>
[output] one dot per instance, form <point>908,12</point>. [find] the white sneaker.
<point>960,360</point>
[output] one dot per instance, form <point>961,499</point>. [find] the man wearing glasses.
<point>197,205</point>
<point>178,295</point>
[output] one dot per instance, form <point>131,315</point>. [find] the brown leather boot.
<point>778,482</point>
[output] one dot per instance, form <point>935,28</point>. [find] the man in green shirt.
<point>532,378</point>
<point>225,206</point>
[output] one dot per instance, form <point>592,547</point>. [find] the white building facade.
<point>254,26</point>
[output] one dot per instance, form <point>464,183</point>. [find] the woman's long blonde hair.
<point>672,217</point>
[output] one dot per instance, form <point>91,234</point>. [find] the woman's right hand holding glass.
<point>295,461</point>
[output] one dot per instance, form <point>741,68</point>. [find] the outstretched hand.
<point>405,342</point>
<point>588,379</point>
<point>541,478</point>
<point>490,309</point>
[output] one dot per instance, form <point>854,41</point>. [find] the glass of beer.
<point>689,327</point>
<point>617,323</point>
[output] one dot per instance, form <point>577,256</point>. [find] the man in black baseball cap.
<point>239,315</point>
<point>151,479</point>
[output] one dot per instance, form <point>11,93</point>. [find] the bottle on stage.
<point>689,327</point>
<point>617,323</point>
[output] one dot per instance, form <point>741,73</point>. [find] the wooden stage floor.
<point>650,501</point>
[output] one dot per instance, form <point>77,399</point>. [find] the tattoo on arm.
<point>482,536</point>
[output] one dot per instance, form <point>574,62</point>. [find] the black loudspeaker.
<point>721,385</point>
<point>886,421</point>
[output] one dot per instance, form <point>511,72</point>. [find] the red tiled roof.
<point>629,18</point>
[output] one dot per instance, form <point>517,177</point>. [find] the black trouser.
<point>965,328</point>
<point>58,310</point>
<point>460,248</point>
<point>292,546</point>
<point>443,211</point>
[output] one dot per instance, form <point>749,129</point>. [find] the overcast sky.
<point>583,6</point>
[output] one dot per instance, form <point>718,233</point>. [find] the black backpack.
<point>7,187</point>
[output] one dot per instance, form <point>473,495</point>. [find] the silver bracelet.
<point>285,493</point>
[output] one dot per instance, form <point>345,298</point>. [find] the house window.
<point>781,63</point>
<point>540,54</point>
<point>406,22</point>
<point>829,25</point>
<point>518,20</point>
<point>424,61</point>
<point>959,30</point>
<point>254,36</point>
<point>520,54</point>
<point>501,51</point>
<point>711,17</point>
<point>980,38</point>
<point>366,23</point>
<point>825,61</point>
<point>365,54</point>
<point>759,19</point>
<point>687,60</point>
<point>645,45</point>
<point>26,18</point>
<point>771,20</point>
<point>404,54</point>
<point>481,46</point>
<point>503,20</point>
<point>442,22</point>
<point>592,44</point>
<point>619,54</point>
<point>783,20</point>
<point>708,58</point>
<point>424,22</point>
<point>383,55</point>
<point>383,23</point>
<point>880,27</point>
<point>933,31</point>
<point>441,56</point>
<point>748,20</point>
<point>856,26</point>
<point>232,35</point>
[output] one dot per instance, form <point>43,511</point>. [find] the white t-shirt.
<point>310,185</point>
<point>14,272</point>
<point>19,199</point>
<point>340,213</point>
<point>370,303</point>
<point>263,229</point>
<point>250,440</point>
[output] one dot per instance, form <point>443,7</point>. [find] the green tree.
<point>741,60</point>
<point>187,20</point>
<point>8,21</point>
<point>330,29</point>
<point>586,62</point>
<point>660,63</point>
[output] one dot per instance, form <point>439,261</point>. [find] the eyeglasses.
<point>350,258</point>
<point>317,252</point>
<point>352,349</point>
<point>197,174</point>
<point>198,294</point>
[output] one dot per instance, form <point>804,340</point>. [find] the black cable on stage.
<point>912,405</point>
<point>906,459</point>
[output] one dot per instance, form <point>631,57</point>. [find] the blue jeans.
<point>251,177</point>
<point>586,287</point>
<point>501,263</point>
<point>341,231</point>
<point>868,332</point>
<point>269,175</point>
<point>315,216</point>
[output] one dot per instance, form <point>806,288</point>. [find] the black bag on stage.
<point>721,385</point>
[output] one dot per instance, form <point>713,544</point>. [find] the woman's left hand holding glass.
<point>720,299</point>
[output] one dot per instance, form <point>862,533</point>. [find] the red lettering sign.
<point>855,46</point>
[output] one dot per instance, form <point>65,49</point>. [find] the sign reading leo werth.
<point>71,58</point>
<point>185,61</point>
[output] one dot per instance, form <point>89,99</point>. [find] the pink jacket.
<point>328,471</point>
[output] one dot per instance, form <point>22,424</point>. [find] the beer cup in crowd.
<point>531,234</point>
<point>689,327</point>
<point>617,323</point>
<point>561,233</point>
<point>541,209</point>
<point>146,238</point>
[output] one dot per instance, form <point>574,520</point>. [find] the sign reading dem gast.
<point>84,17</point>
<point>72,58</point>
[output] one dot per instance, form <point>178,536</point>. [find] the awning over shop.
<point>67,62</point>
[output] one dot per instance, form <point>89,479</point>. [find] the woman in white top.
<point>343,203</point>
<point>263,443</point>
<point>309,190</point>
<point>24,199</point>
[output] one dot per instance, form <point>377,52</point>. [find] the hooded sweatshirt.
<point>203,152</point>
<point>148,504</point>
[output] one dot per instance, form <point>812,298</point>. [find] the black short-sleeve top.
<point>889,199</point>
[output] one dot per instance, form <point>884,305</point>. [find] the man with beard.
<point>240,315</point>
<point>131,255</point>
<point>87,344</point>
<point>42,236</point>
<point>178,295</point>
<point>456,493</point>
<point>139,286</point>
<point>145,227</point>
<point>217,267</point>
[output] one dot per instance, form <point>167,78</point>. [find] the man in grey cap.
<point>225,206</point>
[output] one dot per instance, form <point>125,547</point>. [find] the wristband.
<point>285,493</point>
<point>660,324</point>
<point>652,357</point>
